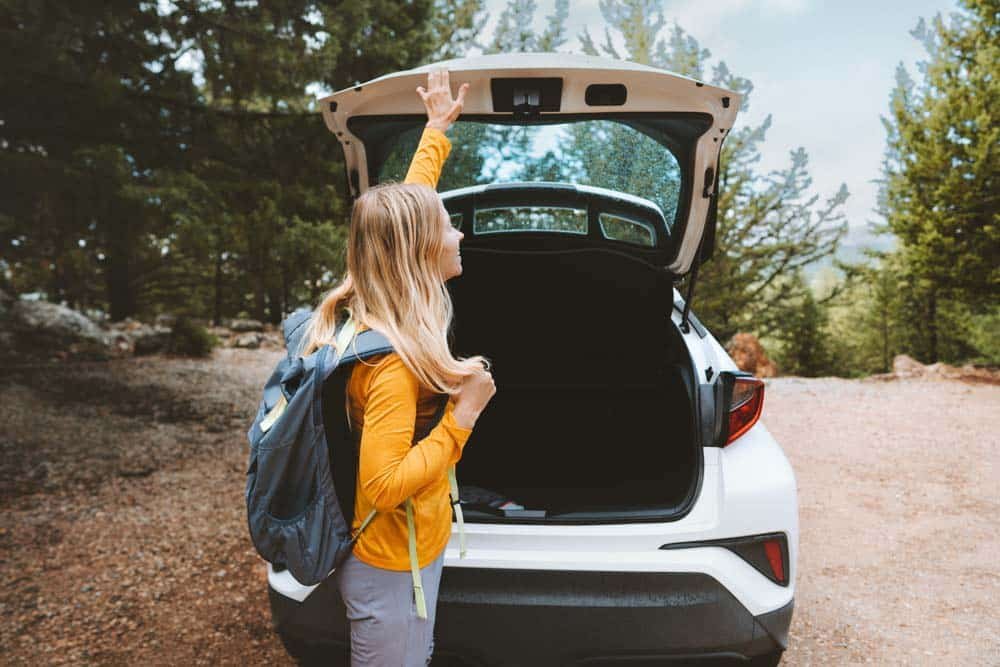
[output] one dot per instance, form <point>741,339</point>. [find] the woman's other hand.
<point>442,108</point>
<point>476,391</point>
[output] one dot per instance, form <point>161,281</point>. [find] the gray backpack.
<point>300,477</point>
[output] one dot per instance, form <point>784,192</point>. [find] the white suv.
<point>623,503</point>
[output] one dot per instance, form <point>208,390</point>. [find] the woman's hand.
<point>476,391</point>
<point>442,109</point>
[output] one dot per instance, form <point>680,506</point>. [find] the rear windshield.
<point>530,219</point>
<point>603,153</point>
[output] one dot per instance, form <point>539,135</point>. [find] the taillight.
<point>773,549</point>
<point>745,406</point>
<point>767,553</point>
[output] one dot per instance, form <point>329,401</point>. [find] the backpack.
<point>300,479</point>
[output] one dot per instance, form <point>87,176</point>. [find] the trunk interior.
<point>593,418</point>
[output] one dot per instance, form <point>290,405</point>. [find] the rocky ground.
<point>123,538</point>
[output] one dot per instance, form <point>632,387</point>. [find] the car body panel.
<point>747,488</point>
<point>650,91</point>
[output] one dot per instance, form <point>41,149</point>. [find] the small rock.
<point>246,325</point>
<point>249,341</point>
<point>904,364</point>
<point>165,319</point>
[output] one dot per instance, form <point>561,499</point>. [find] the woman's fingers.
<point>442,108</point>
<point>456,108</point>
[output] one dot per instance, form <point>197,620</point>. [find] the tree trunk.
<point>885,340</point>
<point>276,305</point>
<point>217,307</point>
<point>121,300</point>
<point>257,279</point>
<point>932,327</point>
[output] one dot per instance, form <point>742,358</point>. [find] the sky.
<point>822,69</point>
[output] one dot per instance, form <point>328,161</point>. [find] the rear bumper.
<point>536,617</point>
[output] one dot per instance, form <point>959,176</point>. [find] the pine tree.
<point>769,225</point>
<point>132,186</point>
<point>941,173</point>
<point>83,129</point>
<point>804,347</point>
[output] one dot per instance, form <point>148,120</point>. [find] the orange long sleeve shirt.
<point>389,405</point>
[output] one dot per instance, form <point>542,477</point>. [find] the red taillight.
<point>745,406</point>
<point>766,553</point>
<point>773,550</point>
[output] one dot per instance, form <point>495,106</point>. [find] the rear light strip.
<point>768,553</point>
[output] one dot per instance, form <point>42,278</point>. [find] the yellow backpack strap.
<point>418,588</point>
<point>457,504</point>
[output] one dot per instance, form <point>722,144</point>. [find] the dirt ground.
<point>123,537</point>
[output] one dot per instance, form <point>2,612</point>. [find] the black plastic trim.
<point>741,547</point>
<point>777,622</point>
<point>504,91</point>
<point>554,617</point>
<point>606,95</point>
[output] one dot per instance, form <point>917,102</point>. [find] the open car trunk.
<point>593,418</point>
<point>585,187</point>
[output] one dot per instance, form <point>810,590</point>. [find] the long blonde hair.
<point>394,284</point>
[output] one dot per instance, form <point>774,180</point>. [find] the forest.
<point>169,157</point>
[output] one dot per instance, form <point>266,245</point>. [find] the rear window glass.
<point>618,228</point>
<point>603,153</point>
<point>530,219</point>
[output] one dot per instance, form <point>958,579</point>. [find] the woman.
<point>401,250</point>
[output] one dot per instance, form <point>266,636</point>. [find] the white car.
<point>623,502</point>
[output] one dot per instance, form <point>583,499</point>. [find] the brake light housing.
<point>743,401</point>
<point>766,553</point>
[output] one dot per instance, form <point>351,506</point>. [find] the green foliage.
<point>128,185</point>
<point>131,185</point>
<point>983,328</point>
<point>941,178</point>
<point>804,343</point>
<point>769,225</point>
<point>190,339</point>
<point>864,322</point>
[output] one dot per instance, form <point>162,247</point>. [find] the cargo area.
<point>593,417</point>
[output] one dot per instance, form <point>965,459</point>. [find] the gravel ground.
<point>898,511</point>
<point>123,538</point>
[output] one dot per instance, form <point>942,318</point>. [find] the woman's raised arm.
<point>442,110</point>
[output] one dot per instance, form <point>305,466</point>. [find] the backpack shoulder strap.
<point>366,344</point>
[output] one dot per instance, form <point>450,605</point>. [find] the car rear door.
<point>688,118</point>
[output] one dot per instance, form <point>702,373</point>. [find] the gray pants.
<point>385,630</point>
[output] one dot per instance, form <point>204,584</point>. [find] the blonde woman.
<point>401,250</point>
